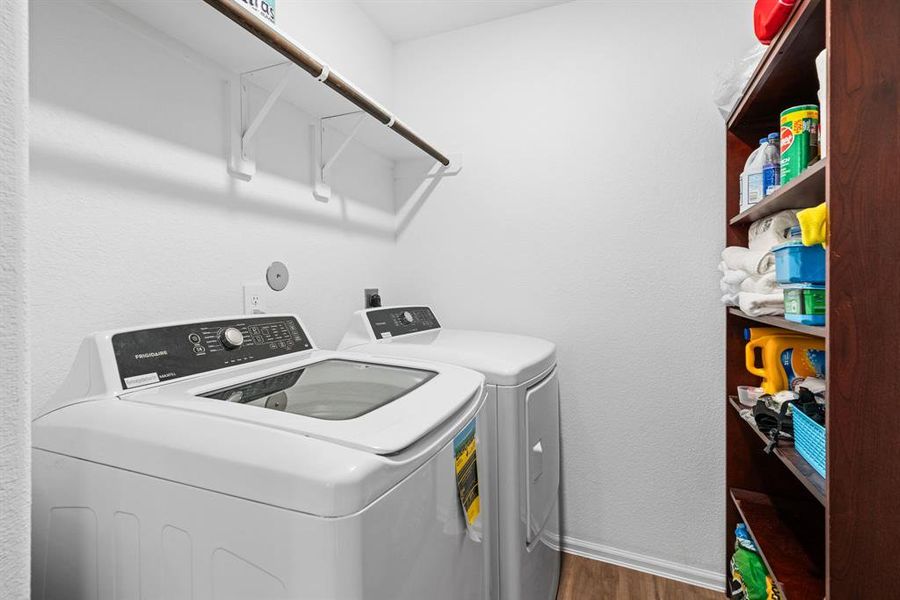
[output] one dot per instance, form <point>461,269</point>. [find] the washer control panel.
<point>400,320</point>
<point>148,356</point>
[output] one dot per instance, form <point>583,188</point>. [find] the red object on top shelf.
<point>769,16</point>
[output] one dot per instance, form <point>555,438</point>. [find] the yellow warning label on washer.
<point>467,472</point>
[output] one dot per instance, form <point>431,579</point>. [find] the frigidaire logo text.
<point>152,354</point>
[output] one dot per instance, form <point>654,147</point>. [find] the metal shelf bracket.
<point>242,129</point>
<point>321,189</point>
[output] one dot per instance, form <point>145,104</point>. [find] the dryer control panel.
<point>148,356</point>
<point>399,320</point>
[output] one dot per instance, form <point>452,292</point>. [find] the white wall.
<point>133,218</point>
<point>589,212</point>
<point>15,403</point>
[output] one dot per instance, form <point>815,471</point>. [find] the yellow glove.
<point>814,225</point>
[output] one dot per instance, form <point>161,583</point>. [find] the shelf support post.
<point>321,190</point>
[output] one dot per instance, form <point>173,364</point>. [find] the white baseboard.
<point>647,564</point>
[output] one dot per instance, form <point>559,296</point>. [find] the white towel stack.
<point>748,274</point>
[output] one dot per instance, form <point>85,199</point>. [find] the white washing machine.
<point>231,459</point>
<point>523,406</point>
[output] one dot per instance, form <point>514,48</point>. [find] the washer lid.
<point>330,390</point>
<point>504,359</point>
<point>326,462</point>
<point>380,407</point>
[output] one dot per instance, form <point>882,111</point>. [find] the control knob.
<point>407,317</point>
<point>231,338</point>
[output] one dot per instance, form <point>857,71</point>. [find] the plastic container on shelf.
<point>804,303</point>
<point>771,172</point>
<point>786,356</point>
<point>752,190</point>
<point>809,440</point>
<point>748,395</point>
<point>796,263</point>
<point>769,16</point>
<point>799,140</point>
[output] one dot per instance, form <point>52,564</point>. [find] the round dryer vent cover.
<point>277,276</point>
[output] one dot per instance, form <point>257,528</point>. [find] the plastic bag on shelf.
<point>822,72</point>
<point>732,78</point>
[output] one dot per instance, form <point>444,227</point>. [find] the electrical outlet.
<point>254,301</point>
<point>370,293</point>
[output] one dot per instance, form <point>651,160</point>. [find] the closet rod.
<point>306,61</point>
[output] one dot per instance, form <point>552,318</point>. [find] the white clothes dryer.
<point>522,440</point>
<point>231,459</point>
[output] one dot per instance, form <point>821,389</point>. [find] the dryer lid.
<point>504,359</point>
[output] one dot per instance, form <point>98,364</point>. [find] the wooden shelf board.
<point>806,190</point>
<point>790,539</point>
<point>788,455</point>
<point>786,74</point>
<point>774,321</point>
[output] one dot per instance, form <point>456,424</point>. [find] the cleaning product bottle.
<point>771,164</point>
<point>744,192</point>
<point>751,178</point>
<point>786,356</point>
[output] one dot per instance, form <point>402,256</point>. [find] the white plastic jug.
<point>752,178</point>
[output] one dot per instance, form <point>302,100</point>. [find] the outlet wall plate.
<point>369,292</point>
<point>254,298</point>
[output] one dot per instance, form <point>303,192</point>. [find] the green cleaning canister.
<point>799,139</point>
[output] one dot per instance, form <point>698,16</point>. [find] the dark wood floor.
<point>584,579</point>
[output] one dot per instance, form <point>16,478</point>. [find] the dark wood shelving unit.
<point>832,537</point>
<point>805,191</point>
<point>786,75</point>
<point>773,321</point>
<point>788,455</point>
<point>788,534</point>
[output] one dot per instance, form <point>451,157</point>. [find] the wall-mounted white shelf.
<point>259,54</point>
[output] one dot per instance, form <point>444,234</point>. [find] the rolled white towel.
<point>730,298</point>
<point>755,262</point>
<point>772,230</point>
<point>761,284</point>
<point>732,276</point>
<point>757,305</point>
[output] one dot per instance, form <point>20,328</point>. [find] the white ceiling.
<point>403,20</point>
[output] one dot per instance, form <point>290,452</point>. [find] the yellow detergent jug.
<point>786,356</point>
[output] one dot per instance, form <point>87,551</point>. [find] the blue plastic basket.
<point>809,439</point>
